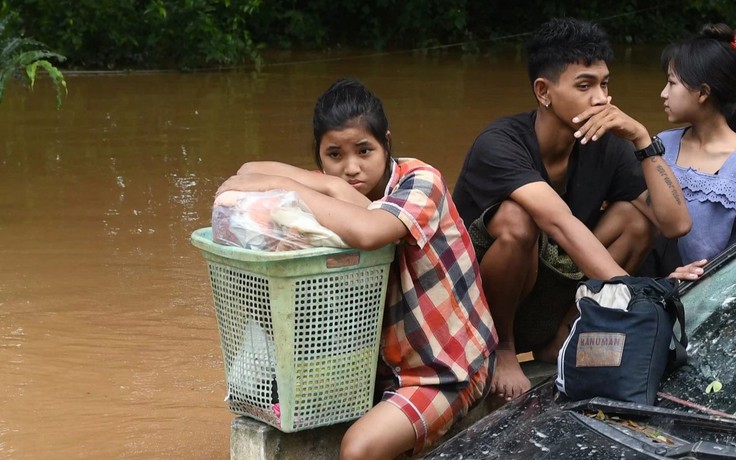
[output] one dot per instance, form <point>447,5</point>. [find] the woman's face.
<point>353,154</point>
<point>680,102</point>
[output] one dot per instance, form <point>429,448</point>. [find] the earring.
<point>546,106</point>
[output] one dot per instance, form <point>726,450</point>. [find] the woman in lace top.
<point>701,92</point>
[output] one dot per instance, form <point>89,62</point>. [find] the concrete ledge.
<point>253,440</point>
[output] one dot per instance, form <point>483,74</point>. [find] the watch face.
<point>658,146</point>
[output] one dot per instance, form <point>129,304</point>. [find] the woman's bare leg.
<point>384,432</point>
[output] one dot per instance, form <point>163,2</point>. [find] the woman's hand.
<point>689,272</point>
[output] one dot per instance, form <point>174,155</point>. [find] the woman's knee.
<point>383,432</point>
<point>354,447</point>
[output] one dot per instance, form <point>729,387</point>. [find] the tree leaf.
<point>714,387</point>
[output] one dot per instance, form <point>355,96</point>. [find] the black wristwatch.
<point>656,148</point>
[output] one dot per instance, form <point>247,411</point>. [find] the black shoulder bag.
<point>622,343</point>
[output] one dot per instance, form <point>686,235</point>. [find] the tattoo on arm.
<point>668,180</point>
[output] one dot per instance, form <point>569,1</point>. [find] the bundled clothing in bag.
<point>274,220</point>
<point>620,345</point>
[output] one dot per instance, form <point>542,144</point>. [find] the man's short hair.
<point>560,42</point>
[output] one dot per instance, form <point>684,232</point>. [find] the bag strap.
<point>678,356</point>
<point>673,305</point>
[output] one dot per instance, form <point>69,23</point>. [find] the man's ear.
<point>541,88</point>
<point>704,93</point>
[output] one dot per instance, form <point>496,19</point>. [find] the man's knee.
<point>630,222</point>
<point>513,224</point>
<point>627,234</point>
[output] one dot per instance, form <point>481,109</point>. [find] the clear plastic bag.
<point>276,220</point>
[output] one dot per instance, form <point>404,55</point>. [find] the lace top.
<point>711,200</point>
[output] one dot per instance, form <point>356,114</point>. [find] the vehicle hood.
<point>540,425</point>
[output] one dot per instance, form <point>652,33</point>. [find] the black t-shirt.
<point>505,156</point>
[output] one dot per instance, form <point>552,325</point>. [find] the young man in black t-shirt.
<point>559,194</point>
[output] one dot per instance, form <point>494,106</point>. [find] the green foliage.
<point>114,34</point>
<point>626,21</point>
<point>194,32</point>
<point>21,57</point>
<point>391,24</point>
<point>380,24</point>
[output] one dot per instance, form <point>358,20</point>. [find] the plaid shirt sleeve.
<point>417,201</point>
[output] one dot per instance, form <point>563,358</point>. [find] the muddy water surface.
<point>108,341</point>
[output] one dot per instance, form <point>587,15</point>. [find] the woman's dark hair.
<point>560,42</point>
<point>348,103</point>
<point>709,58</point>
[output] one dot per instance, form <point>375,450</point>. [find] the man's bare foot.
<point>508,379</point>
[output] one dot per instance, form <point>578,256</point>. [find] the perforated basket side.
<point>308,341</point>
<point>242,308</point>
<point>337,323</point>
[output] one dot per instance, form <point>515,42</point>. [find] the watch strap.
<point>656,148</point>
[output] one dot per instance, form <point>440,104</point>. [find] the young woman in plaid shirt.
<point>438,337</point>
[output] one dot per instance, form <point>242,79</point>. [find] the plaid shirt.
<point>437,328</point>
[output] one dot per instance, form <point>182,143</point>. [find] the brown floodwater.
<point>108,341</point>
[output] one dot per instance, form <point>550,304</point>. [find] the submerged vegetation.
<point>188,34</point>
